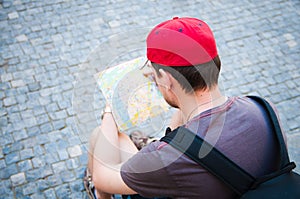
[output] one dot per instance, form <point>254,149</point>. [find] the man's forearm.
<point>110,151</point>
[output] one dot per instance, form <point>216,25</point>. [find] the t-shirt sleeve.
<point>147,174</point>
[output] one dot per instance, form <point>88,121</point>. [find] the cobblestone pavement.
<point>44,43</point>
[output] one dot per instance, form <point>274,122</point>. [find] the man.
<point>184,62</point>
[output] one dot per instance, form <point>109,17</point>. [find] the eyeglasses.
<point>148,73</point>
<point>145,64</point>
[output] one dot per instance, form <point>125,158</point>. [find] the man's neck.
<point>200,101</point>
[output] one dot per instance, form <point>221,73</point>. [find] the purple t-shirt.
<point>238,128</point>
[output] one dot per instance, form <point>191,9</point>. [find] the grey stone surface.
<point>45,44</point>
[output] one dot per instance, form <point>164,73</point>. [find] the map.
<point>135,100</point>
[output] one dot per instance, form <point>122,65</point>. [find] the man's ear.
<point>166,79</point>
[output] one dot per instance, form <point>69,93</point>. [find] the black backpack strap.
<point>218,164</point>
<point>210,158</point>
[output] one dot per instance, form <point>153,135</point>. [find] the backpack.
<point>281,184</point>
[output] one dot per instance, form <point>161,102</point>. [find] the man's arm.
<point>111,150</point>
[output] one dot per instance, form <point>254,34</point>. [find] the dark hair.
<point>192,78</point>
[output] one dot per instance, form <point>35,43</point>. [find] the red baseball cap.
<point>181,42</point>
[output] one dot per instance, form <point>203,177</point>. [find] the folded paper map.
<point>134,98</point>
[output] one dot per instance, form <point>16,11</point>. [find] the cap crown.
<point>181,42</point>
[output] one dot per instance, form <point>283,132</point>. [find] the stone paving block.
<point>44,100</point>
<point>6,139</point>
<point>2,95</point>
<point>14,117</point>
<point>22,38</point>
<point>34,86</point>
<point>18,179</point>
<point>6,77</point>
<point>63,144</point>
<point>37,195</point>
<point>21,99</point>
<point>3,113</point>
<point>34,131</point>
<point>63,191</point>
<point>51,147</point>
<point>12,158</point>
<point>58,115</point>
<point>20,135</point>
<point>3,121</point>
<point>49,193</point>
<point>59,167</point>
<point>29,188</point>
<point>57,97</point>
<point>42,185</point>
<point>38,162</point>
<point>22,90</point>
<point>33,95</point>
<point>3,16</point>
<point>53,107</point>
<point>79,172</point>
<point>5,191</point>
<point>76,186</point>
<point>38,150</point>
<point>30,122</point>
<point>84,158</point>
<point>19,192</point>
<point>6,150</point>
<point>42,119</point>
<point>39,173</point>
<point>7,55</point>
<point>55,136</point>
<point>25,165</point>
<point>72,163</point>
<point>29,142</point>
<point>1,152</point>
<point>37,110</point>
<point>51,158</point>
<point>2,164</point>
<point>46,128</point>
<point>9,101</point>
<point>74,151</point>
<point>63,154</point>
<point>8,171</point>
<point>74,141</point>
<point>70,112</point>
<point>54,180</point>
<point>67,176</point>
<point>292,125</point>
<point>14,61</point>
<point>59,124</point>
